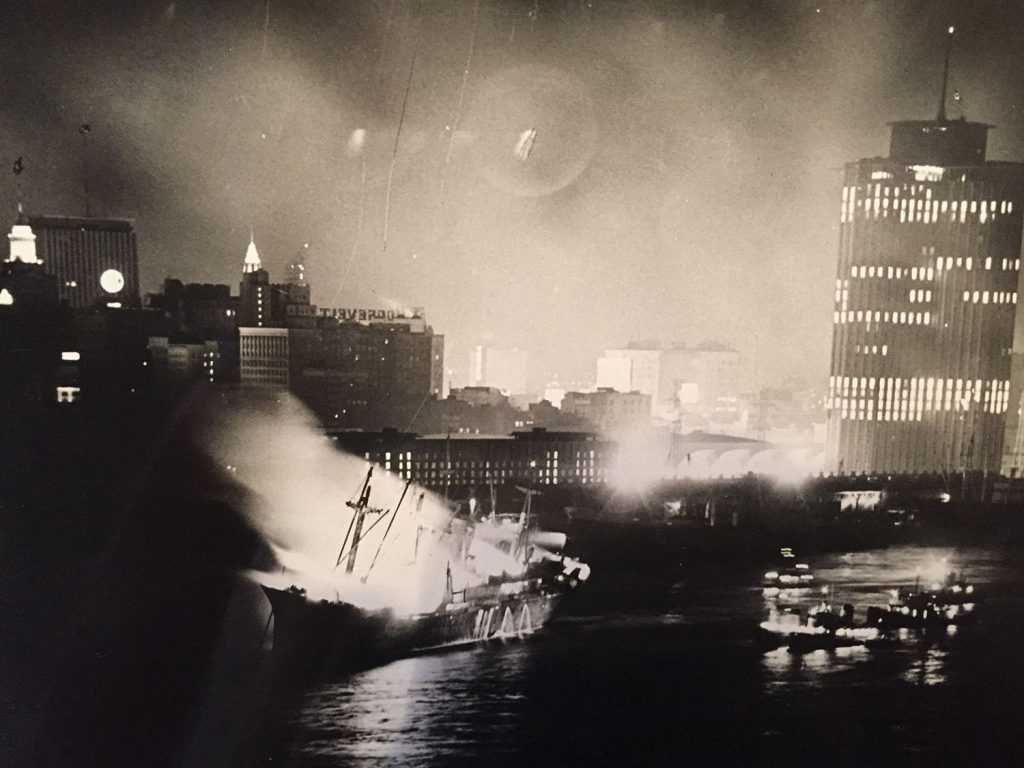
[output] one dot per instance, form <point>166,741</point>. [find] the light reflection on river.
<point>666,674</point>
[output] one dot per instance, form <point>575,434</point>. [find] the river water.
<point>664,672</point>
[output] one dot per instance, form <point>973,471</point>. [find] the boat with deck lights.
<point>790,578</point>
<point>823,629</point>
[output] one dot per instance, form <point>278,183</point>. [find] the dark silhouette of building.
<point>203,341</point>
<point>925,302</point>
<point>355,368</point>
<point>32,325</point>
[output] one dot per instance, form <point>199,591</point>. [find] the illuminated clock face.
<point>112,281</point>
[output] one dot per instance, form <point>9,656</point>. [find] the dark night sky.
<point>683,185</point>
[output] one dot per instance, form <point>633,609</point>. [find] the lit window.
<point>67,394</point>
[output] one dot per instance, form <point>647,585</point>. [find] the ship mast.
<point>355,527</point>
<point>524,524</point>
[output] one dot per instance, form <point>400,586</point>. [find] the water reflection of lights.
<point>413,708</point>
<point>930,669</point>
<point>810,669</point>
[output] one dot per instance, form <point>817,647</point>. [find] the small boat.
<point>947,601</point>
<point>790,578</point>
<point>924,609</point>
<point>824,629</point>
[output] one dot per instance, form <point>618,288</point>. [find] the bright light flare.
<point>356,142</point>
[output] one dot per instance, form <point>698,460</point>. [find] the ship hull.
<point>327,638</point>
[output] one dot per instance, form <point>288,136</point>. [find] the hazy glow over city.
<point>566,178</point>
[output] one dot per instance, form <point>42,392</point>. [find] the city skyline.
<point>709,218</point>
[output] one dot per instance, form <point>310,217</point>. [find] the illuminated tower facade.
<point>96,261</point>
<point>256,297</point>
<point>925,301</point>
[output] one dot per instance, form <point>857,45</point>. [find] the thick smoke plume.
<point>300,487</point>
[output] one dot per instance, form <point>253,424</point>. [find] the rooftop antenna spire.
<point>85,129</point>
<point>945,74</point>
<point>19,167</point>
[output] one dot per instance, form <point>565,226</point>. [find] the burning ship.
<point>501,579</point>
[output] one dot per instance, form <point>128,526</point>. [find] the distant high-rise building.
<point>674,376</point>
<point>94,260</point>
<point>257,307</point>
<point>262,304</point>
<point>504,369</point>
<point>925,301</point>
<point>295,272</point>
<point>351,374</point>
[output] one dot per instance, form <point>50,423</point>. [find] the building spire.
<point>945,75</point>
<point>252,257</point>
<point>22,242</point>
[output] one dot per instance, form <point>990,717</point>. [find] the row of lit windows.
<point>917,296</point>
<point>914,208</point>
<point>854,394</point>
<point>442,455</point>
<point>998,297</point>
<point>878,316</point>
<point>924,273</point>
<point>850,194</point>
<point>872,349</point>
<point>845,383</point>
<point>928,215</point>
<point>433,478</point>
<point>903,412</point>
<point>406,459</point>
<point>893,273</point>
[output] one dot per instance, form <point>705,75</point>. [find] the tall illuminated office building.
<point>925,301</point>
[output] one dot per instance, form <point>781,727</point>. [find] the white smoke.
<point>300,483</point>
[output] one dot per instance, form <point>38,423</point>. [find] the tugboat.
<point>791,578</point>
<point>823,630</point>
<point>330,637</point>
<point>950,601</point>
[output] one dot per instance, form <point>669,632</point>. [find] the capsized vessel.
<point>501,579</point>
